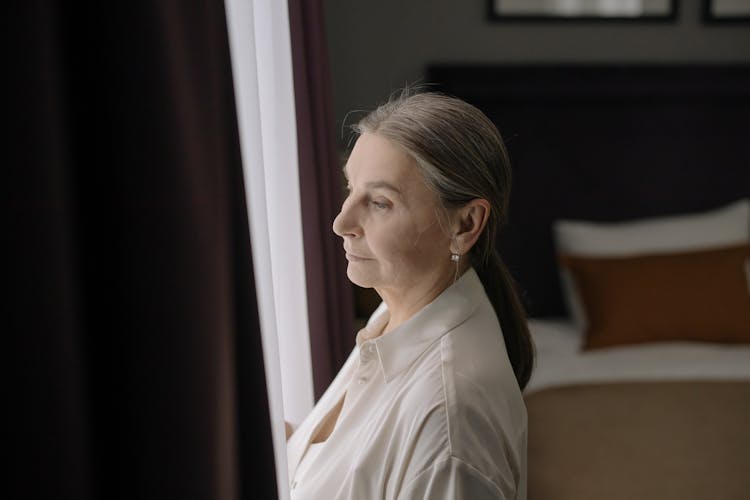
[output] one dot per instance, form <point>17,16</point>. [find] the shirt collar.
<point>398,349</point>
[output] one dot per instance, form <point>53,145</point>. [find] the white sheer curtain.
<point>262,66</point>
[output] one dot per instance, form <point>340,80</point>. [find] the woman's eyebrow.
<point>376,184</point>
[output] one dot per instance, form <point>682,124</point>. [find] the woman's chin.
<point>357,277</point>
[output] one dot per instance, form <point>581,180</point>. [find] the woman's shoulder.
<point>477,374</point>
<point>484,405</point>
<point>467,410</point>
<point>465,381</point>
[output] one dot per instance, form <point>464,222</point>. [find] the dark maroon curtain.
<point>132,335</point>
<point>329,293</point>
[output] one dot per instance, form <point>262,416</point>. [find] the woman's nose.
<point>345,224</point>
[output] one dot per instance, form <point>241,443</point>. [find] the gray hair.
<point>459,151</point>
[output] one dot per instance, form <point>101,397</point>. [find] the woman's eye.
<point>379,205</point>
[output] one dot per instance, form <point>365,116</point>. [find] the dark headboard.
<point>607,143</point>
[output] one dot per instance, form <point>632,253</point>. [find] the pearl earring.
<point>455,257</point>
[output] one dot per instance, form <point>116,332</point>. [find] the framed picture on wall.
<point>722,11</point>
<point>582,10</point>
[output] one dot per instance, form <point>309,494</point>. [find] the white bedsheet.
<point>560,360</point>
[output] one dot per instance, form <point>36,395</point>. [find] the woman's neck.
<point>403,303</point>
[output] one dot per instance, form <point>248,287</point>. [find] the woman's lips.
<point>355,258</point>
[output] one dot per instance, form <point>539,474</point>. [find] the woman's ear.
<point>468,225</point>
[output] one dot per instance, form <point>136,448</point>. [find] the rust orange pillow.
<point>694,296</point>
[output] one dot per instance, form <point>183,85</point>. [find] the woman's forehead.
<point>375,159</point>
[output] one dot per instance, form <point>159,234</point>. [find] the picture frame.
<point>726,11</point>
<point>566,11</point>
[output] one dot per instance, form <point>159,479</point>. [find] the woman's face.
<point>389,221</point>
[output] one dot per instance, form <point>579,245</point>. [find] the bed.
<point>631,185</point>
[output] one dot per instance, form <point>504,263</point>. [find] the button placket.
<point>367,358</point>
<point>361,377</point>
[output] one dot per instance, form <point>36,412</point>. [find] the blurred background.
<point>176,292</point>
<point>376,47</point>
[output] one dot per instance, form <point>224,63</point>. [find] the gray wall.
<point>379,45</point>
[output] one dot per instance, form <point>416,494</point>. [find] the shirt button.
<point>294,484</point>
<point>362,380</point>
<point>371,348</point>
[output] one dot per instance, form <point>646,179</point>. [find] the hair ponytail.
<point>501,290</point>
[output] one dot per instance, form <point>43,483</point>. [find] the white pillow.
<point>678,233</point>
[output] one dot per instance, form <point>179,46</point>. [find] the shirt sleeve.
<point>454,479</point>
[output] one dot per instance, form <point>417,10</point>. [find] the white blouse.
<point>432,411</point>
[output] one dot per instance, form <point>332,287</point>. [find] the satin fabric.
<point>432,410</point>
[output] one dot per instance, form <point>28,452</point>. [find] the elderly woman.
<point>428,405</point>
